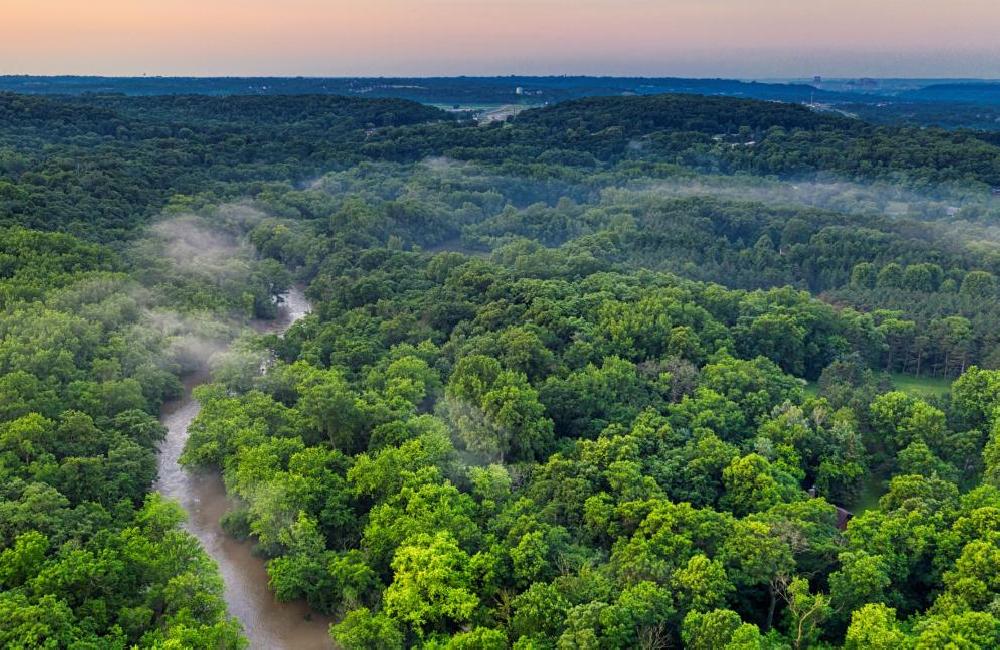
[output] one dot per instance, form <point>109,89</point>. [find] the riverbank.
<point>266,622</point>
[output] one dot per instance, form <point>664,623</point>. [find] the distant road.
<point>500,114</point>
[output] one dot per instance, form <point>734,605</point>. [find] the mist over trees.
<point>615,373</point>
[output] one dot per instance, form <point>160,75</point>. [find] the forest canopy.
<point>665,371</point>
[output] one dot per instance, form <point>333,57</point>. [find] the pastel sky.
<point>734,38</point>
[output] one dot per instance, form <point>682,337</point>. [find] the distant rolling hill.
<point>973,93</point>
<point>439,90</point>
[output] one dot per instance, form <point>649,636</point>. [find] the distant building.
<point>843,516</point>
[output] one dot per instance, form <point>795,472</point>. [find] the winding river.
<point>266,622</point>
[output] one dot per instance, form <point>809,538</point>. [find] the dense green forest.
<point>90,558</point>
<point>962,104</point>
<point>612,374</point>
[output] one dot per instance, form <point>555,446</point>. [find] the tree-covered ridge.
<point>88,355</point>
<point>710,134</point>
<point>33,262</point>
<point>91,165</point>
<point>637,116</point>
<point>89,558</point>
<point>101,167</point>
<point>553,391</point>
<point>931,291</point>
<point>462,453</point>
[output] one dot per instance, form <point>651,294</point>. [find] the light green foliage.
<point>978,285</point>
<point>516,421</point>
<point>412,380</point>
<point>431,585</point>
<point>331,407</point>
<point>969,630</point>
<point>640,617</point>
<point>383,473</point>
<point>703,584</point>
<point>294,575</point>
<point>177,587</point>
<point>496,412</point>
<point>974,582</point>
<point>805,612</point>
<point>87,557</point>
<point>811,443</point>
<point>720,628</point>
<point>363,630</point>
<point>917,458</point>
<point>23,560</point>
<point>905,419</point>
<point>976,395</point>
<point>754,556</point>
<point>491,485</point>
<point>563,436</point>
<point>991,455</point>
<point>480,638</point>
<point>864,275</point>
<point>750,485</point>
<point>862,578</point>
<point>756,386</point>
<point>874,626</point>
<point>420,508</point>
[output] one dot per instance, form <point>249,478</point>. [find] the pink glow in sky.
<point>740,38</point>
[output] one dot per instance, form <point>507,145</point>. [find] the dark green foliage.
<point>113,162</point>
<point>550,394</point>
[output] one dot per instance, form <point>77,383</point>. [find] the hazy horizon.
<point>791,79</point>
<point>745,39</point>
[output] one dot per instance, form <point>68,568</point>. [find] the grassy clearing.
<point>917,386</point>
<point>875,484</point>
<point>872,489</point>
<point>921,386</point>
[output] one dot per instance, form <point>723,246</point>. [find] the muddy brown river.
<point>266,622</point>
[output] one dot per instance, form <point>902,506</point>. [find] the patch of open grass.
<point>875,483</point>
<point>872,489</point>
<point>917,386</point>
<point>921,386</point>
